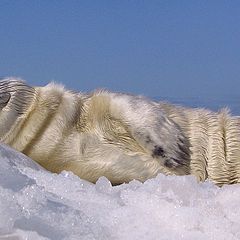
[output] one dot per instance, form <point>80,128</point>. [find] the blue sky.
<point>155,48</point>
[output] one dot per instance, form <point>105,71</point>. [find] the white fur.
<point>116,135</point>
<point>120,136</point>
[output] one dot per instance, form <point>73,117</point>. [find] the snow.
<point>37,204</point>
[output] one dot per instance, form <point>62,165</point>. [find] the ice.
<point>37,204</point>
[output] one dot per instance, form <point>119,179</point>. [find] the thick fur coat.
<point>214,142</point>
<point>120,136</point>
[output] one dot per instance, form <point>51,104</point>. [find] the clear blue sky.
<point>156,48</point>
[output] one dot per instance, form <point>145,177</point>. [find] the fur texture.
<point>119,136</point>
<point>214,142</point>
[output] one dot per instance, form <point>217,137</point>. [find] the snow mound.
<point>37,204</point>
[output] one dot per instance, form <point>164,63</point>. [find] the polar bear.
<point>119,136</point>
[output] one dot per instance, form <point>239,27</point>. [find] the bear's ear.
<point>4,99</point>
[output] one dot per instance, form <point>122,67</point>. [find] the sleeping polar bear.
<point>120,136</point>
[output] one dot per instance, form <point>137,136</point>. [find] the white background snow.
<point>36,204</point>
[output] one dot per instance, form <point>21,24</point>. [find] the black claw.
<point>168,163</point>
<point>179,162</point>
<point>184,149</point>
<point>158,151</point>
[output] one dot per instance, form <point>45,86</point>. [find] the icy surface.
<point>36,204</point>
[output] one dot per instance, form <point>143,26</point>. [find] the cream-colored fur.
<point>119,136</point>
<point>214,142</point>
<point>122,137</point>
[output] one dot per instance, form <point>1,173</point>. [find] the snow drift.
<point>37,204</point>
